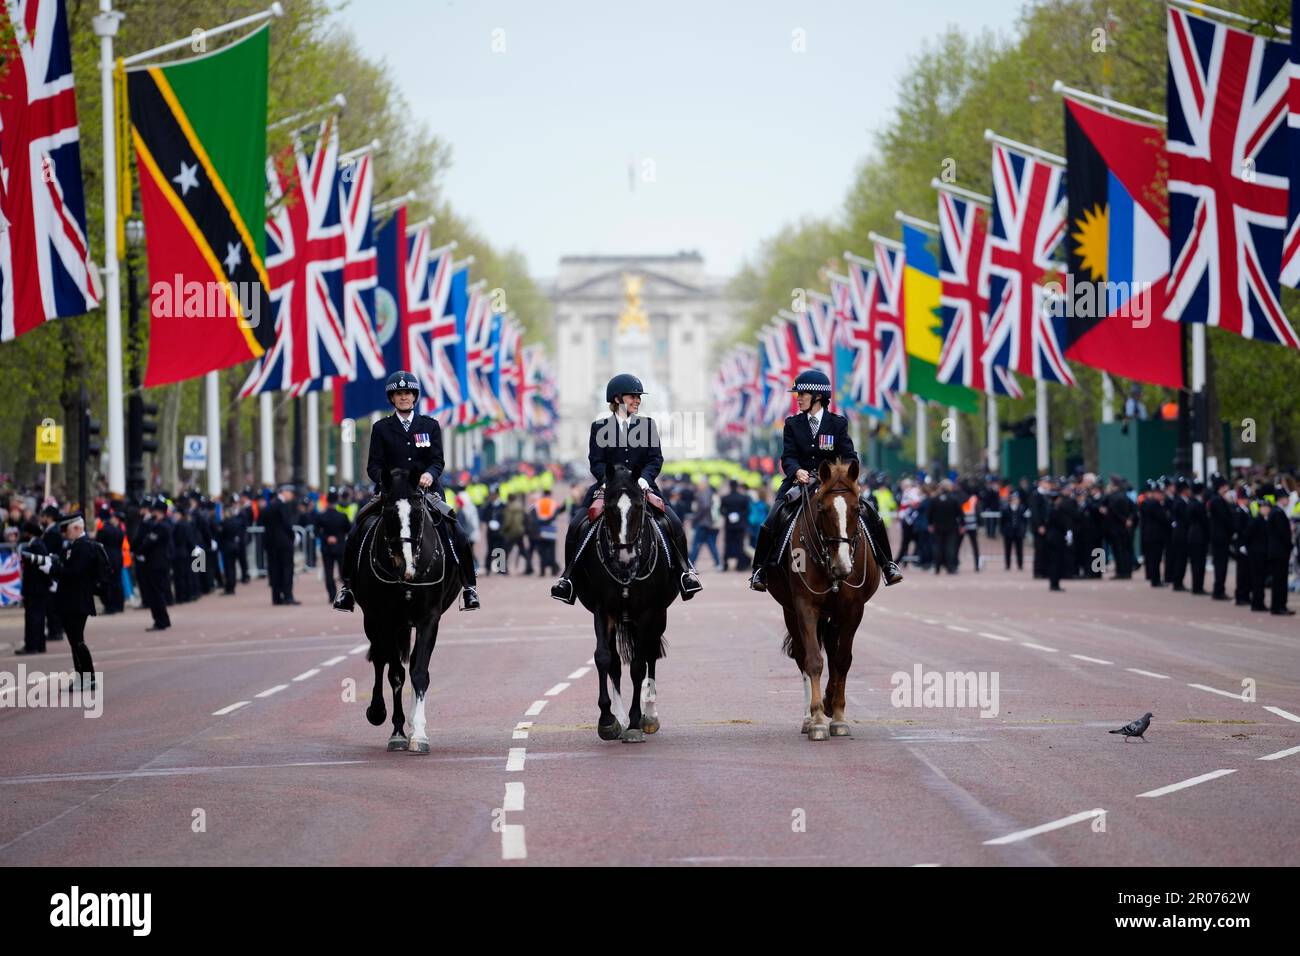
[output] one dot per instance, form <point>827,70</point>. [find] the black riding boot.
<point>465,559</point>
<point>562,590</point>
<point>688,582</point>
<point>880,540</point>
<point>762,549</point>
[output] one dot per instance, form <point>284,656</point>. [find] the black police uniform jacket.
<point>277,520</point>
<point>418,449</point>
<point>803,449</point>
<point>635,447</point>
<point>76,571</point>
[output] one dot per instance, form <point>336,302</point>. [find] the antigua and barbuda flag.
<point>1117,247</point>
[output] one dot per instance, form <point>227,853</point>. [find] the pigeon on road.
<point>1137,728</point>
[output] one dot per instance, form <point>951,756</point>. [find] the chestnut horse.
<point>826,575</point>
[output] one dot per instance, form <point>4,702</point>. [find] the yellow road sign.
<point>49,443</point>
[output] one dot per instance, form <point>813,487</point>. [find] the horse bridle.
<point>415,551</point>
<point>822,546</point>
<point>610,548</point>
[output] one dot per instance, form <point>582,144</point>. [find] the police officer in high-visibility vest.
<point>406,439</point>
<point>814,435</point>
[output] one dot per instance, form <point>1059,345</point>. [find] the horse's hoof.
<point>418,746</point>
<point>807,722</point>
<point>650,725</point>
<point>610,731</point>
<point>818,732</point>
<point>396,742</point>
<point>633,736</point>
<point>376,715</point>
<point>840,728</point>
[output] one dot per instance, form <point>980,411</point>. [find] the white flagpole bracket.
<point>1075,94</point>
<point>885,241</point>
<point>900,216</point>
<point>1044,155</point>
<point>958,191</point>
<point>339,102</point>
<point>860,260</point>
<point>1196,7</point>
<point>274,10</point>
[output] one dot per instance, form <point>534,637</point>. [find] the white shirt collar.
<point>407,417</point>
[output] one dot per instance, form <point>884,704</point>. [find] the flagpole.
<point>212,411</point>
<point>266,417</point>
<point>1200,9</point>
<point>1075,94</point>
<point>1040,427</point>
<point>347,471</point>
<point>313,440</point>
<point>199,36</point>
<point>922,436</point>
<point>340,102</point>
<point>1044,155</point>
<point>1199,422</point>
<point>1107,398</point>
<point>978,198</point>
<point>105,24</point>
<point>954,444</point>
<point>900,216</point>
<point>994,453</point>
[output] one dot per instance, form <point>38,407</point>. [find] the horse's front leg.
<point>397,680</point>
<point>818,726</point>
<point>634,734</point>
<point>841,653</point>
<point>377,711</point>
<point>426,635</point>
<point>607,726</point>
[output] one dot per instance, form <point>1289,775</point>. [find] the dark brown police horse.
<point>826,576</point>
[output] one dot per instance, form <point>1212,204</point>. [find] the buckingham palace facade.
<point>659,317</point>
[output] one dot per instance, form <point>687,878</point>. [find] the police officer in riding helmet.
<point>814,435</point>
<point>628,439</point>
<point>407,439</point>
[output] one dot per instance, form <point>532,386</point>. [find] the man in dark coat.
<point>623,438</point>
<point>230,542</point>
<point>110,535</point>
<point>151,552</point>
<point>1279,555</point>
<point>1012,525</point>
<point>332,527</point>
<point>184,541</point>
<point>36,568</point>
<point>1241,522</point>
<point>946,522</point>
<point>53,541</point>
<point>1056,535</point>
<point>815,435</point>
<point>735,523</point>
<point>412,442</point>
<point>277,522</point>
<point>1219,513</point>
<point>1118,519</point>
<point>1257,550</point>
<point>1154,531</point>
<point>1198,534</point>
<point>1040,506</point>
<point>1176,548</point>
<point>76,570</point>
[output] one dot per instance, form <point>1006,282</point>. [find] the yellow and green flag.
<point>923,326</point>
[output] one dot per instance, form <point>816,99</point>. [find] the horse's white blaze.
<point>624,510</point>
<point>843,555</point>
<point>417,719</point>
<point>404,516</point>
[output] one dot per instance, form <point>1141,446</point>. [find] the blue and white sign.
<point>196,452</point>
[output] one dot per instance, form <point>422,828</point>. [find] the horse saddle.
<point>596,508</point>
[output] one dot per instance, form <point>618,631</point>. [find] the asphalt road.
<point>238,737</point>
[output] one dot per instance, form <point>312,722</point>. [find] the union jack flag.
<point>45,269</point>
<point>1227,100</point>
<point>540,399</point>
<point>306,251</point>
<point>814,334</point>
<point>887,323</point>
<point>508,376</point>
<point>428,288</point>
<point>1026,330</point>
<point>477,401</point>
<point>734,385</point>
<point>964,300</point>
<point>778,371</point>
<point>447,342</point>
<point>1291,245</point>
<point>11,579</point>
<point>859,377</point>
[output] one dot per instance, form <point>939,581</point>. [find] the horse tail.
<point>625,640</point>
<point>825,635</point>
<point>787,645</point>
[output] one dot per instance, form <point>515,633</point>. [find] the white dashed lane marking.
<point>1090,660</point>
<point>514,800</point>
<point>337,660</point>
<point>358,649</point>
<point>515,760</point>
<point>521,729</point>
<point>1135,670</point>
<point>993,637</point>
<point>1281,753</point>
<point>535,709</point>
<point>229,709</point>
<point>1215,690</point>
<point>1184,784</point>
<point>1038,647</point>
<point>1283,713</point>
<point>271,690</point>
<point>559,688</point>
<point>306,674</point>
<point>580,672</point>
<point>1046,827</point>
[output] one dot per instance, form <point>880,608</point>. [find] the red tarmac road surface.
<point>170,775</point>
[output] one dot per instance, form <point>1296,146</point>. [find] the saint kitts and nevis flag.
<point>199,131</point>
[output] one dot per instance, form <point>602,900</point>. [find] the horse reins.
<point>415,553</point>
<point>822,551</point>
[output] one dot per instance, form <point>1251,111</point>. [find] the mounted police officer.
<point>624,438</point>
<point>814,435</point>
<point>406,439</point>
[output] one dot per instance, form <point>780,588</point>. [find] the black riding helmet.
<point>623,384</point>
<point>401,381</point>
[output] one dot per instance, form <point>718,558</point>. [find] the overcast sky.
<point>653,126</point>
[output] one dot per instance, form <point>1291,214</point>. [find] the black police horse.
<point>626,580</point>
<point>405,578</point>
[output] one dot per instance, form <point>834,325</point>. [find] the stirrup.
<point>689,585</point>
<point>469,598</point>
<point>891,573</point>
<point>758,580</point>
<point>343,601</point>
<point>562,590</point>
